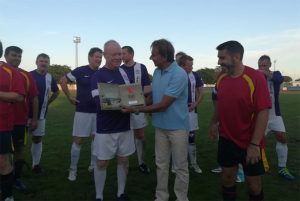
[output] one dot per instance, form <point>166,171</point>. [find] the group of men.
<point>242,100</point>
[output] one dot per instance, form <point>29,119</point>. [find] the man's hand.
<point>253,154</point>
<point>73,101</point>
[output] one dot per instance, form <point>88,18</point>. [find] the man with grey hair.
<point>113,134</point>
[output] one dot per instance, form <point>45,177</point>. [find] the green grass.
<point>52,183</point>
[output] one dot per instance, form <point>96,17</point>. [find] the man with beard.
<point>45,84</point>
<point>241,109</point>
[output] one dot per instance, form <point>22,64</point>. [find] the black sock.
<point>258,197</point>
<point>18,168</point>
<point>229,193</point>
<point>6,185</point>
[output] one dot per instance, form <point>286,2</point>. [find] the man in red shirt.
<point>242,104</point>
<point>13,57</point>
<point>11,90</point>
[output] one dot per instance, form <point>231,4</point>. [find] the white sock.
<point>93,157</point>
<point>122,176</point>
<point>140,150</point>
<point>282,152</point>
<point>75,154</point>
<point>99,177</point>
<point>36,153</point>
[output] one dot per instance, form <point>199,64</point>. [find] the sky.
<point>193,26</point>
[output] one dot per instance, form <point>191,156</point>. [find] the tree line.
<point>209,75</point>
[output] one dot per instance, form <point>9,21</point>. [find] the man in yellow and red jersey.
<point>242,104</point>
<point>13,55</point>
<point>11,91</point>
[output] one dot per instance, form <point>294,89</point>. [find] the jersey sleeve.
<point>145,76</point>
<point>199,81</point>
<point>73,75</point>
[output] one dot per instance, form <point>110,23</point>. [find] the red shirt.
<point>22,109</point>
<point>238,102</point>
<point>10,81</point>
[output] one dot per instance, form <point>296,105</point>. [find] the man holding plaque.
<point>170,119</point>
<point>137,74</point>
<point>113,134</point>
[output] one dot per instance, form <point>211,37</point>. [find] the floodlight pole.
<point>76,40</point>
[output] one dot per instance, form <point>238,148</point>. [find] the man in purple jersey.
<point>114,136</point>
<point>137,74</point>
<point>196,94</point>
<point>45,84</point>
<point>85,116</point>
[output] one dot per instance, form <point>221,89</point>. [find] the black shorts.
<point>19,135</point>
<point>5,142</point>
<point>230,155</point>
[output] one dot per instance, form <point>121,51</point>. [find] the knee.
<point>139,134</point>
<point>102,164</point>
<point>36,139</point>
<point>192,138</point>
<point>78,140</point>
<point>281,137</point>
<point>123,161</point>
<point>5,165</point>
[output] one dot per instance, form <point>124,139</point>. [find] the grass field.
<point>52,183</point>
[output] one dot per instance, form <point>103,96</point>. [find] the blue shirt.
<point>173,82</point>
<point>109,121</point>
<point>145,81</point>
<point>82,75</point>
<point>45,83</point>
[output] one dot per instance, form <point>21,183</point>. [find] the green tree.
<point>58,71</point>
<point>209,75</point>
<point>297,79</point>
<point>287,79</point>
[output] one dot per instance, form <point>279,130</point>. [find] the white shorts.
<point>40,130</point>
<point>275,123</point>
<point>193,120</point>
<point>107,146</point>
<point>138,121</point>
<point>84,124</point>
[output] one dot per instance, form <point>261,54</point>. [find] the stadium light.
<point>76,40</point>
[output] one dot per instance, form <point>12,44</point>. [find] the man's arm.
<point>11,97</point>
<point>53,96</point>
<point>253,150</point>
<point>64,87</point>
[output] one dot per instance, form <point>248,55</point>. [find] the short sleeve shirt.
<point>82,76</point>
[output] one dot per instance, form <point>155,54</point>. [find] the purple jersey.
<point>199,83</point>
<point>109,121</point>
<point>45,83</point>
<point>82,75</point>
<point>145,81</point>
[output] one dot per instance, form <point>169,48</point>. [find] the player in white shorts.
<point>275,122</point>
<point>137,73</point>
<point>45,84</point>
<point>85,116</point>
<point>114,138</point>
<point>195,97</point>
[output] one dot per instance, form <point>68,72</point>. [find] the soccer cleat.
<point>91,168</point>
<point>37,169</point>
<point>98,199</point>
<point>196,169</point>
<point>285,173</point>
<point>122,198</point>
<point>217,170</point>
<point>19,185</point>
<point>9,199</point>
<point>144,168</point>
<point>72,175</point>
